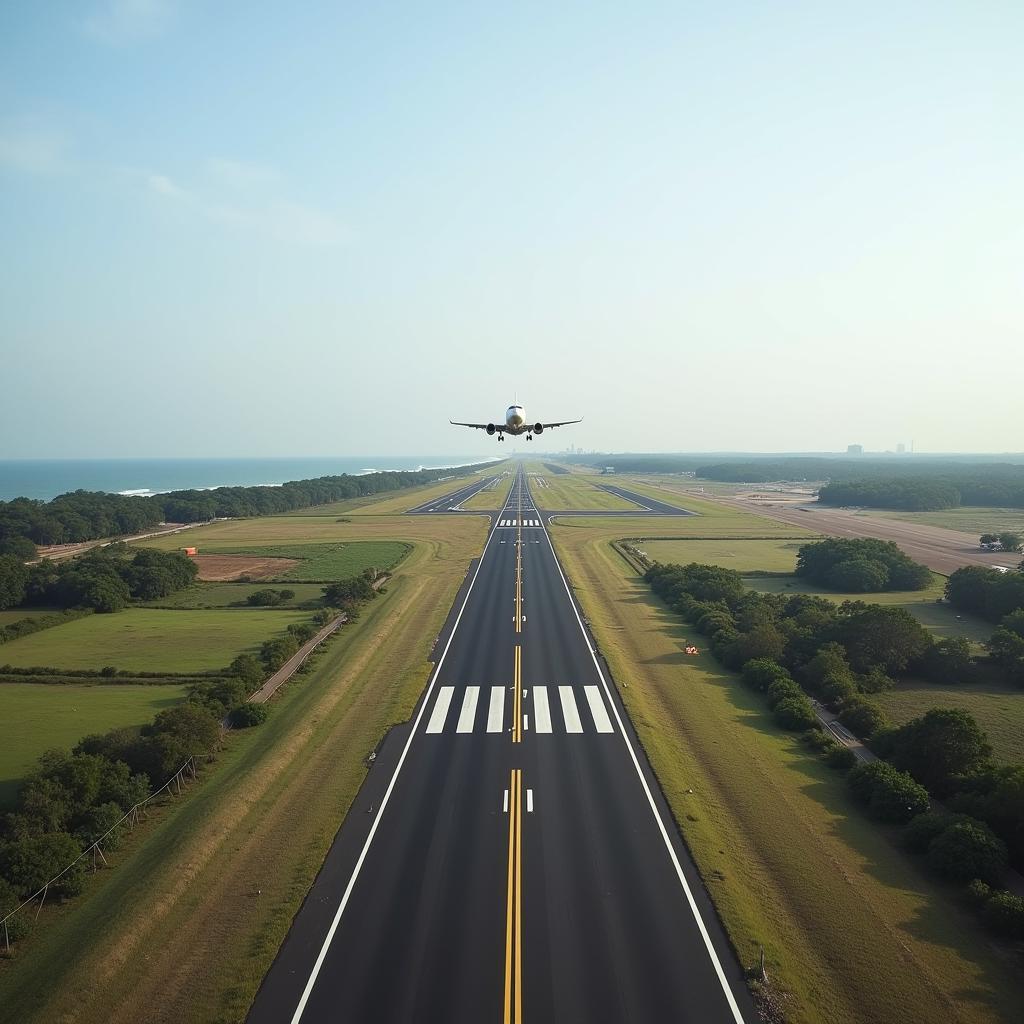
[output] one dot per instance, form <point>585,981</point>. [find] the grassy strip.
<point>491,497</point>
<point>967,519</point>
<point>743,555</point>
<point>186,928</point>
<point>852,931</point>
<point>569,491</point>
<point>227,595</point>
<point>326,562</point>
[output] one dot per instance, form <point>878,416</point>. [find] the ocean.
<point>46,478</point>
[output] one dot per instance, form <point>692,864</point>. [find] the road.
<point>509,857</point>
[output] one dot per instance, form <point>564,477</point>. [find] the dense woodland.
<point>90,515</point>
<point>861,566</point>
<point>795,647</point>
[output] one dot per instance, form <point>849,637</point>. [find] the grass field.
<point>326,561</point>
<point>59,716</point>
<point>226,595</point>
<point>177,924</point>
<point>967,520</point>
<point>998,710</point>
<point>151,640</point>
<point>493,496</point>
<point>741,555</point>
<point>941,619</point>
<point>573,491</point>
<point>852,928</point>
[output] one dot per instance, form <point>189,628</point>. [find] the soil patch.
<point>221,568</point>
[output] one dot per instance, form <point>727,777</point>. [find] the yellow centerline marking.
<point>514,914</point>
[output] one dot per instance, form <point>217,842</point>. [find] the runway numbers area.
<point>576,716</point>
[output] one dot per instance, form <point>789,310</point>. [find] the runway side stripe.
<point>496,712</point>
<point>541,710</point>
<point>468,713</point>
<point>702,928</point>
<point>570,712</point>
<point>601,720</point>
<point>347,894</point>
<point>444,700</point>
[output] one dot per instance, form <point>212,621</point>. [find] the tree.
<point>1009,541</point>
<point>1007,650</point>
<point>858,576</point>
<point>886,637</point>
<point>249,669</point>
<point>1004,914</point>
<point>13,578</point>
<point>941,744</point>
<point>967,849</point>
<point>986,540</point>
<point>795,712</point>
<point>948,661</point>
<point>890,795</point>
<point>276,652</point>
<point>760,673</point>
<point>862,717</point>
<point>28,864</point>
<point>246,715</point>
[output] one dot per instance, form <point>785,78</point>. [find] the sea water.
<point>46,478</point>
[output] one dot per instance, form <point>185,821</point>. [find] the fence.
<point>95,849</point>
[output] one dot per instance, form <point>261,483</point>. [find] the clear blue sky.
<point>322,228</point>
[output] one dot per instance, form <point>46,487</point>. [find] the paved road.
<point>509,857</point>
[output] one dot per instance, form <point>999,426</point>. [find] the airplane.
<point>515,424</point>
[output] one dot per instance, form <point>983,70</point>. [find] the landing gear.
<point>529,437</point>
<point>501,437</point>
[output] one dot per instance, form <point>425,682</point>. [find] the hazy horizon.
<point>236,232</point>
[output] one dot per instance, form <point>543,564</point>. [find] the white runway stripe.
<point>440,712</point>
<point>541,710</point>
<point>496,712</point>
<point>468,714</point>
<point>569,710</point>
<point>601,720</point>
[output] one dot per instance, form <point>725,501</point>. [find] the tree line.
<point>91,515</point>
<point>103,579</point>
<point>925,494</point>
<point>791,648</point>
<point>861,566</point>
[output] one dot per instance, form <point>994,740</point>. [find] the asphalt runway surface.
<point>509,857</point>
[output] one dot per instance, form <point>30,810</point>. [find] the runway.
<point>509,857</point>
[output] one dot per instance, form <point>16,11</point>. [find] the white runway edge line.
<point>708,944</point>
<point>346,895</point>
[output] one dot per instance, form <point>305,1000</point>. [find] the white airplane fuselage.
<point>515,420</point>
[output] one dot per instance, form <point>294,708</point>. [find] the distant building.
<point>608,469</point>
<point>855,449</point>
<point>901,449</point>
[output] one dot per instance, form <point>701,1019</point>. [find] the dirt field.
<point>221,568</point>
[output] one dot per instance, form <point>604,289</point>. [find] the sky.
<point>251,228</point>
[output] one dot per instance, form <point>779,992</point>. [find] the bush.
<point>967,849</point>
<point>890,795</point>
<point>795,713</point>
<point>920,831</point>
<point>760,673</point>
<point>1004,914</point>
<point>246,715</point>
<point>780,690</point>
<point>978,892</point>
<point>264,599</point>
<point>818,740</point>
<point>28,864</point>
<point>862,717</point>
<point>841,758</point>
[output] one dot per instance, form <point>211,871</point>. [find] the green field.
<point>854,931</point>
<point>998,710</point>
<point>227,595</point>
<point>967,519</point>
<point>741,555</point>
<point>151,640</point>
<point>59,716</point>
<point>941,619</point>
<point>324,561</point>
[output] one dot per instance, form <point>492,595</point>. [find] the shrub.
<point>780,690</point>
<point>760,673</point>
<point>862,717</point>
<point>920,831</point>
<point>967,849</point>
<point>246,715</point>
<point>1004,914</point>
<point>818,740</point>
<point>890,795</point>
<point>840,758</point>
<point>795,713</point>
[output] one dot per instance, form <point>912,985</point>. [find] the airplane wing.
<point>563,423</point>
<point>478,426</point>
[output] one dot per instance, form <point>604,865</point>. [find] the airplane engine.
<point>538,428</point>
<point>490,428</point>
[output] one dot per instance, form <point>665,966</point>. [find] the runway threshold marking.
<point>514,904</point>
<point>440,712</point>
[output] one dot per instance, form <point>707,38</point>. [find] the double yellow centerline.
<point>514,918</point>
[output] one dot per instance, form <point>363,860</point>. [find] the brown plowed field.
<point>222,568</point>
